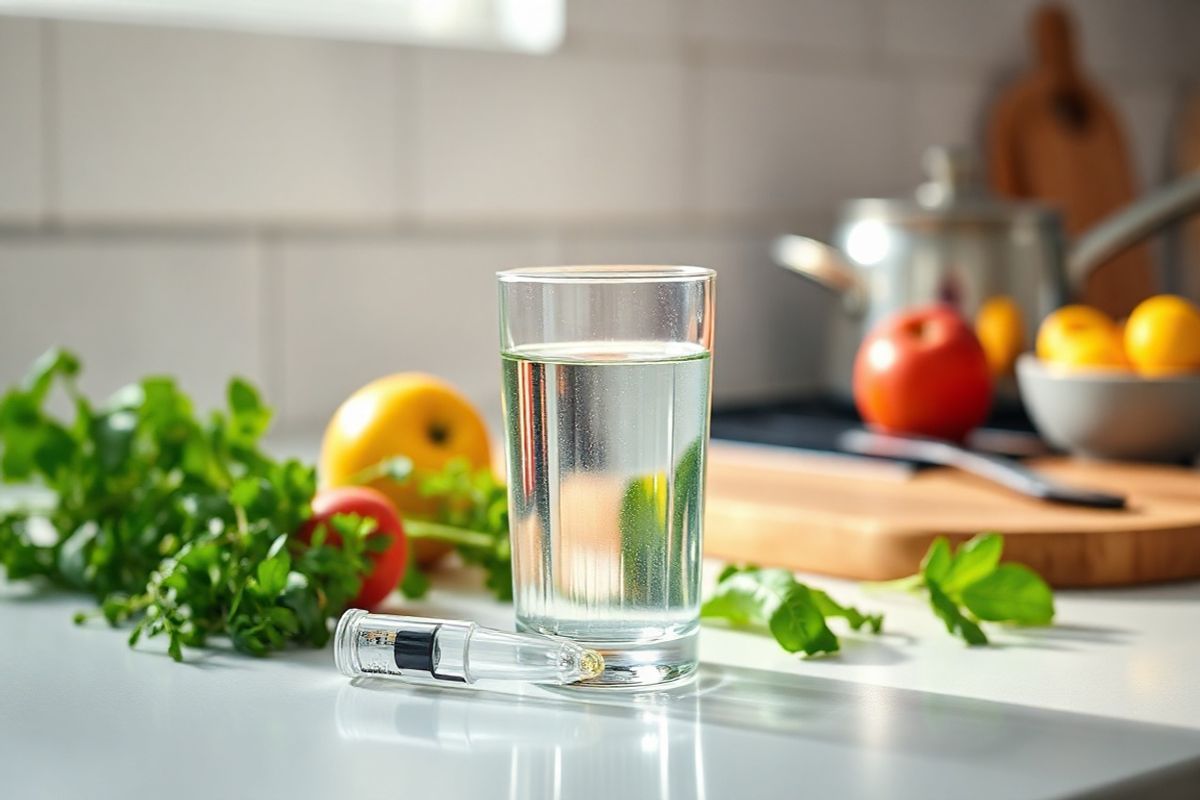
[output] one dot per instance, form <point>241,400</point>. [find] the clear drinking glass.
<point>606,395</point>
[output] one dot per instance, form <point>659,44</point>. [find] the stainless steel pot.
<point>955,243</point>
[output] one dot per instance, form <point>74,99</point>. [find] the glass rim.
<point>607,273</point>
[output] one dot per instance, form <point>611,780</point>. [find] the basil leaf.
<point>795,614</point>
<point>937,560</point>
<point>973,560</point>
<point>743,599</point>
<point>1012,593</point>
<point>857,619</point>
<point>956,622</point>
<point>798,624</point>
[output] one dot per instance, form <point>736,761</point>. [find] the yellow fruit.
<point>409,414</point>
<point>1080,336</point>
<point>1162,336</point>
<point>1093,348</point>
<point>1060,326</point>
<point>1001,330</point>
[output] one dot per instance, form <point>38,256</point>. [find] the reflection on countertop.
<point>733,730</point>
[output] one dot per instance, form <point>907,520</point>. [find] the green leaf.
<point>73,555</point>
<point>51,364</point>
<point>177,525</point>
<point>798,624</point>
<point>728,570</point>
<point>56,449</point>
<point>857,619</point>
<point>974,559</point>
<point>112,435</point>
<point>249,417</point>
<point>272,574</point>
<point>746,598</point>
<point>956,622</point>
<point>937,561</point>
<point>415,584</point>
<point>378,542</point>
<point>244,492</point>
<point>1012,593</point>
<point>21,435</point>
<point>795,614</point>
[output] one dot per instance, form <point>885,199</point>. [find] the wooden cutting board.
<point>772,507</point>
<point>1054,137</point>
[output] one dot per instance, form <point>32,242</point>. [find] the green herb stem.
<point>424,529</point>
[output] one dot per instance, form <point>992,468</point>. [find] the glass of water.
<point>606,408</point>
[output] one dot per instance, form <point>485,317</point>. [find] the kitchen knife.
<point>999,470</point>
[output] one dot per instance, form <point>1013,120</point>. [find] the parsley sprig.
<point>175,523</point>
<point>471,512</point>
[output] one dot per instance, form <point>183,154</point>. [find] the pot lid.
<point>953,194</point>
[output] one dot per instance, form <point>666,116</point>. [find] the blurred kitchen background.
<point>313,213</point>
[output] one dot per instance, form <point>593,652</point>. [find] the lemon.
<point>1081,336</point>
<point>1162,336</point>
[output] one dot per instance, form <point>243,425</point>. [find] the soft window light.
<point>532,26</point>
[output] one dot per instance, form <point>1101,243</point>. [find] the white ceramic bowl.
<point>1114,415</point>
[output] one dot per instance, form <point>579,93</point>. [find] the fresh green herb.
<point>471,513</point>
<point>175,523</point>
<point>794,613</point>
<point>964,587</point>
<point>971,585</point>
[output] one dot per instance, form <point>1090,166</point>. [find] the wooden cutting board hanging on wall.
<point>1054,137</point>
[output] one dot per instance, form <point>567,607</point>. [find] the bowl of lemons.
<point>1111,389</point>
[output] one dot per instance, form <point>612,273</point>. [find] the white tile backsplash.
<point>637,22</point>
<point>944,110</point>
<point>187,307</point>
<point>159,124</point>
<point>776,142</point>
<point>353,309</point>
<point>1146,111</point>
<point>22,194</point>
<point>349,202</point>
<point>1126,36</point>
<point>766,318</point>
<point>969,32</point>
<point>823,26</point>
<point>508,137</point>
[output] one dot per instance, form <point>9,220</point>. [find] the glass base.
<point>634,666</point>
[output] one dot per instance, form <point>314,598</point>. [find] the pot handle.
<point>823,264</point>
<point>1130,226</point>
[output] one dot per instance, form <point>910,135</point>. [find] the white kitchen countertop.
<point>1104,702</point>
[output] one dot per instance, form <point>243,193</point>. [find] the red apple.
<point>923,372</point>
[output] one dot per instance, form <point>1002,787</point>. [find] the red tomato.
<point>365,502</point>
<point>923,372</point>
